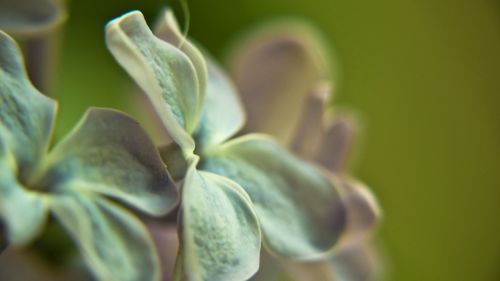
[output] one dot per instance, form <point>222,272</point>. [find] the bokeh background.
<point>424,75</point>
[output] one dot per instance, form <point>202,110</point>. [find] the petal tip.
<point>125,21</point>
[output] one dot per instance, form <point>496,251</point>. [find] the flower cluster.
<point>230,159</point>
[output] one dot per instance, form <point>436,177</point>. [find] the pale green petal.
<point>168,30</point>
<point>164,72</point>
<point>219,232</point>
<point>25,115</point>
<point>299,209</point>
<point>354,259</point>
<point>109,153</point>
<point>275,69</point>
<point>223,114</point>
<point>114,243</point>
<point>29,17</point>
<point>22,212</point>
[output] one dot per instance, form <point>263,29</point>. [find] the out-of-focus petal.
<point>275,70</point>
<point>359,262</point>
<point>29,17</point>
<point>336,143</point>
<point>167,243</point>
<point>310,129</point>
<point>273,269</point>
<point>362,209</point>
<point>299,209</point>
<point>219,232</point>
<point>113,242</point>
<point>109,153</point>
<point>164,72</point>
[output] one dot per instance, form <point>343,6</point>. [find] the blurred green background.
<point>424,75</point>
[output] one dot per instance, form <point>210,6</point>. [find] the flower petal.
<point>275,69</point>
<point>22,213</point>
<point>219,232</point>
<point>324,137</point>
<point>25,114</point>
<point>28,17</point>
<point>273,269</point>
<point>168,30</point>
<point>310,271</point>
<point>336,143</point>
<point>109,153</point>
<point>299,209</point>
<point>363,212</point>
<point>223,114</point>
<point>113,242</point>
<point>359,262</point>
<point>309,131</point>
<point>164,72</point>
<point>167,244</point>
